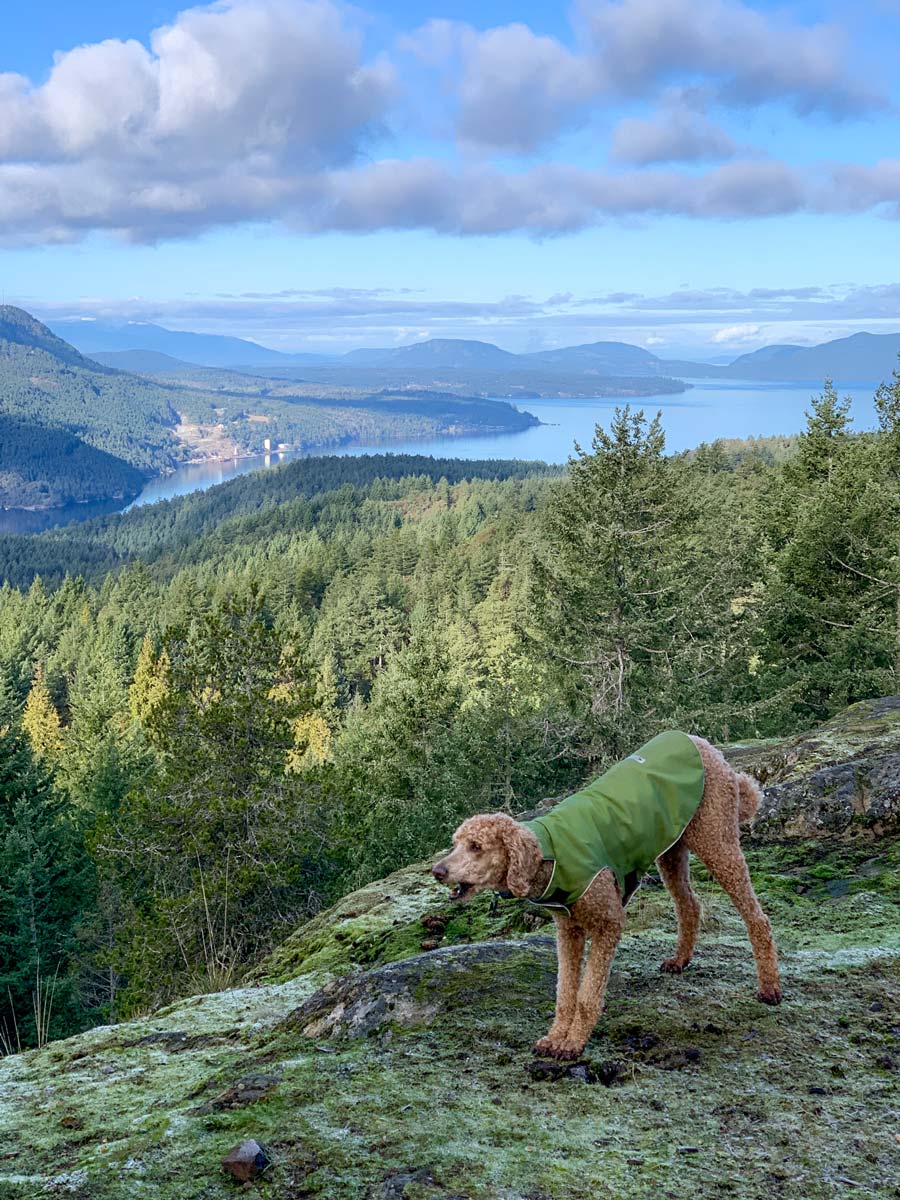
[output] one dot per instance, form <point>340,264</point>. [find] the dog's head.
<point>489,851</point>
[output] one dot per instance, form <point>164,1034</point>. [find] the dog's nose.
<point>439,871</point>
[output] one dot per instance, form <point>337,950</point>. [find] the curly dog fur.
<point>494,851</point>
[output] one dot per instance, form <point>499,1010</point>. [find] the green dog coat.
<point>623,820</point>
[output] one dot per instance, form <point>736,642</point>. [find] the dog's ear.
<point>525,858</point>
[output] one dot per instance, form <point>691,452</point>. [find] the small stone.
<point>692,1054</point>
<point>817,1091</point>
<point>688,1149</point>
<point>429,944</point>
<point>245,1091</point>
<point>876,1006</point>
<point>434,924</point>
<point>245,1161</point>
<point>581,1072</point>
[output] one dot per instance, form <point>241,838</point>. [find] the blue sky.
<point>696,176</point>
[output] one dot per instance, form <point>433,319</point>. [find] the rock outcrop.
<point>384,1049</point>
<point>840,780</point>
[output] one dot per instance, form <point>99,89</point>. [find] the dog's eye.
<point>475,847</point>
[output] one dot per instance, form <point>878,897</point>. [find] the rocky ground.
<point>384,1050</point>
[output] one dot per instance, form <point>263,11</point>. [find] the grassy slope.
<point>378,1070</point>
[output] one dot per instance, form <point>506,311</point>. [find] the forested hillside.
<point>41,468</point>
<point>44,381</point>
<point>293,684</point>
<point>153,424</point>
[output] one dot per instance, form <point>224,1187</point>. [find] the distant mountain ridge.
<point>141,362</point>
<point>450,353</point>
<point>201,349</point>
<point>612,358</point>
<point>20,328</point>
<point>859,358</point>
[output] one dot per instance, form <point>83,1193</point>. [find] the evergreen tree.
<point>41,873</point>
<point>216,844</point>
<point>41,722</point>
<point>151,681</point>
<point>613,583</point>
<point>826,434</point>
<point>831,617</point>
<point>409,761</point>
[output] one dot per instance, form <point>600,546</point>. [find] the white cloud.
<point>260,110</point>
<point>517,89</point>
<point>735,334</point>
<point>674,135</point>
<point>218,121</point>
<point>748,56</point>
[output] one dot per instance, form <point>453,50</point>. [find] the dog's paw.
<point>544,1046</point>
<point>771,994</point>
<point>565,1051</point>
<point>672,966</point>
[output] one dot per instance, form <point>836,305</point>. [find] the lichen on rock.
<point>368,1068</point>
<point>840,780</point>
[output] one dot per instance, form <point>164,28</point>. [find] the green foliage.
<point>42,868</point>
<point>616,575</point>
<point>44,382</point>
<point>42,468</point>
<point>268,692</point>
<point>214,846</point>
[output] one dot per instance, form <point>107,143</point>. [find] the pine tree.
<point>831,618</point>
<point>826,434</point>
<point>41,722</point>
<point>613,581</point>
<point>151,681</point>
<point>42,868</point>
<point>212,844</point>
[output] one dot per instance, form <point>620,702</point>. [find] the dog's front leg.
<point>570,938</point>
<point>600,911</point>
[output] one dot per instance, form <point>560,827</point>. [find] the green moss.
<point>787,1101</point>
<point>429,1096</point>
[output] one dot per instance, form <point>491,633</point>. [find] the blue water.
<point>710,409</point>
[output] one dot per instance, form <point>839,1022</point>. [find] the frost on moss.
<point>372,1066</point>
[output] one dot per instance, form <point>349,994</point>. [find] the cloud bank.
<point>273,110</point>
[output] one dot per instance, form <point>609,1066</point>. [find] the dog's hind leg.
<point>675,869</point>
<point>728,867</point>
<point>570,938</point>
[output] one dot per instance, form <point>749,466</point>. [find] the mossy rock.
<point>387,921</point>
<point>370,1068</point>
<point>413,1077</point>
<point>842,779</point>
<point>412,993</point>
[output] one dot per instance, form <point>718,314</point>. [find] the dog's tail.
<point>749,796</point>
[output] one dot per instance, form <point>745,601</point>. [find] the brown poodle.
<point>494,851</point>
